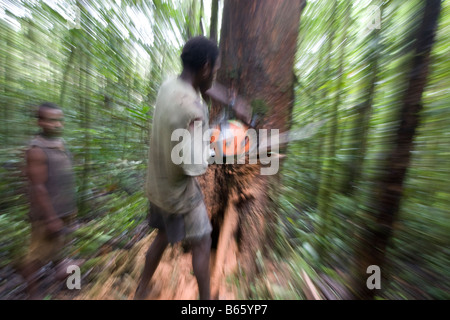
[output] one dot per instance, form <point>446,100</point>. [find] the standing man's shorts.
<point>43,248</point>
<point>189,226</point>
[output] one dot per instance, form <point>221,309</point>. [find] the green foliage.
<point>117,223</point>
<point>103,63</point>
<point>96,66</point>
<point>366,124</point>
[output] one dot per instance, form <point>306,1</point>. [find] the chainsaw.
<point>230,137</point>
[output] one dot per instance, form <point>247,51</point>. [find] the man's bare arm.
<point>223,95</point>
<point>219,93</point>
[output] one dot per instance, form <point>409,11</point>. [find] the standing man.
<point>52,195</point>
<point>177,208</point>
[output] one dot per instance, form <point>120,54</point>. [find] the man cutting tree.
<point>177,207</point>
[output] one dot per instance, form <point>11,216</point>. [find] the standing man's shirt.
<point>60,182</point>
<point>171,186</point>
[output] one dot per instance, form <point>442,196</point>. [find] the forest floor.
<point>114,275</point>
<point>113,272</point>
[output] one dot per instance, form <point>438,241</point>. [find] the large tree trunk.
<point>389,190</point>
<point>258,47</point>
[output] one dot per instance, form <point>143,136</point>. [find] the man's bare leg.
<point>201,250</point>
<point>152,260</point>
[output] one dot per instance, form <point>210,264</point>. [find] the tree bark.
<point>214,20</point>
<point>389,188</point>
<point>258,47</point>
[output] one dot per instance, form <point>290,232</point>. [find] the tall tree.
<point>84,85</point>
<point>194,26</point>
<point>69,64</point>
<point>322,174</point>
<point>363,111</point>
<point>258,46</point>
<point>328,176</point>
<point>214,20</point>
<point>389,187</point>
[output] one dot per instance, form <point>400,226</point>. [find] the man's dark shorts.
<point>189,226</point>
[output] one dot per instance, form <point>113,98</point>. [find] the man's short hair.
<point>48,105</point>
<point>197,51</point>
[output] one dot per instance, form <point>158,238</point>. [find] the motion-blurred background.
<point>338,203</point>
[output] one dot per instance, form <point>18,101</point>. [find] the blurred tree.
<point>388,192</point>
<point>214,20</point>
<point>258,45</point>
<point>194,23</point>
<point>327,181</point>
<point>84,85</point>
<point>67,67</point>
<point>360,126</point>
<point>8,63</point>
